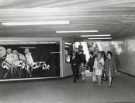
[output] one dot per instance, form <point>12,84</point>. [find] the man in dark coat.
<point>82,57</point>
<point>91,61</point>
<point>75,64</point>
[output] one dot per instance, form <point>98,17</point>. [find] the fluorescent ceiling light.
<point>78,31</point>
<point>100,38</point>
<point>103,35</point>
<point>40,9</point>
<point>35,9</point>
<point>128,21</point>
<point>58,22</point>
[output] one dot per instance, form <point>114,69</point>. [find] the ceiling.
<point>116,17</point>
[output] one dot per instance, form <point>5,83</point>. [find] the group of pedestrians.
<point>101,65</point>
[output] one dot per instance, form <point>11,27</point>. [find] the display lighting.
<point>67,43</point>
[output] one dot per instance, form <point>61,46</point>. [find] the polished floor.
<point>65,91</point>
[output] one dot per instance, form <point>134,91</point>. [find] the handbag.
<point>104,76</point>
<point>87,73</point>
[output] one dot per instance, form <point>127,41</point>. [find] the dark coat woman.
<point>110,67</point>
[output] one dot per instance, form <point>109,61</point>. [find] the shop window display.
<point>29,60</point>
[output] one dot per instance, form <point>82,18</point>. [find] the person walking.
<point>98,67</point>
<point>91,62</point>
<point>110,67</point>
<point>75,63</point>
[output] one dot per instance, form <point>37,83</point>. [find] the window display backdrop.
<point>29,59</point>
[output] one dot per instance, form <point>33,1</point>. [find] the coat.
<point>75,61</point>
<point>110,67</point>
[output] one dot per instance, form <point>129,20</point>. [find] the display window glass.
<point>29,59</point>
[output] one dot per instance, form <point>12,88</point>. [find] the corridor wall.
<point>127,57</point>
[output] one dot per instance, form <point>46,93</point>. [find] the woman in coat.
<point>110,67</point>
<point>98,67</point>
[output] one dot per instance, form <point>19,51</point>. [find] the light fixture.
<point>100,35</point>
<point>77,31</point>
<point>40,9</point>
<point>67,46</point>
<point>103,38</point>
<point>58,22</point>
<point>45,42</point>
<point>67,43</point>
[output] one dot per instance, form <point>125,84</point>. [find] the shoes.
<point>110,85</point>
<point>74,81</point>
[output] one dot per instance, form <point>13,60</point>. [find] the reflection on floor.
<point>65,91</point>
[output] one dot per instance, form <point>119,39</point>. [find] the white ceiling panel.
<point>116,17</point>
